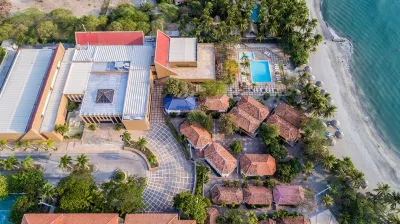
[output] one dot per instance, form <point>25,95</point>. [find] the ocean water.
<point>373,27</point>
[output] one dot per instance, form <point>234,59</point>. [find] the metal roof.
<point>137,94</point>
<point>137,55</point>
<point>78,78</point>
<point>21,89</point>
<point>182,50</point>
<point>117,82</point>
<point>172,103</point>
<point>50,114</point>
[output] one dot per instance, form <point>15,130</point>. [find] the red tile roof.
<point>110,38</point>
<point>293,220</point>
<point>215,103</point>
<point>70,218</point>
<point>220,158</point>
<point>288,194</point>
<point>155,218</point>
<point>258,164</point>
<point>212,215</point>
<point>162,49</point>
<point>197,135</point>
<point>229,195</point>
<point>254,195</point>
<point>248,114</point>
<point>288,119</point>
<point>267,221</point>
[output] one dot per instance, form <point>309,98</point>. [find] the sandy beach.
<point>361,142</point>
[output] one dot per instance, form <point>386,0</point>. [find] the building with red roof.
<point>110,38</point>
<point>71,218</point>
<point>257,165</point>
<point>288,194</point>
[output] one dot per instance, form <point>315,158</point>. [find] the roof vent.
<point>105,96</point>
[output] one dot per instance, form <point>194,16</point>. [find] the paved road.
<point>107,163</point>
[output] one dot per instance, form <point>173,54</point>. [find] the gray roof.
<point>182,50</point>
<point>325,217</point>
<point>50,114</point>
<point>117,82</point>
<point>78,78</point>
<point>137,94</point>
<point>21,89</point>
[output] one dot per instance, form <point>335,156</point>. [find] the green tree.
<point>226,125</point>
<point>275,149</point>
<point>10,163</point>
<point>308,168</point>
<point>26,144</point>
<point>3,144</point>
<point>48,144</point>
<point>76,192</point>
<point>192,206</point>
<point>61,128</point>
<point>328,200</point>
<point>141,143</point>
<point>82,162</point>
<point>127,196</point>
<point>147,7</point>
<point>65,162</point>
<point>3,187</point>
<point>212,88</point>
<point>200,118</point>
<point>157,24</point>
<point>170,11</point>
<point>236,147</point>
<point>48,192</point>
<point>47,30</point>
<point>22,205</point>
<point>26,181</point>
<point>268,132</point>
<point>178,88</point>
<point>328,161</point>
<point>236,216</point>
<point>126,137</point>
<point>287,171</point>
<point>27,163</point>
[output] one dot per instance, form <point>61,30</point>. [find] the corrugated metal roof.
<point>182,49</point>
<point>117,82</point>
<point>50,115</point>
<point>110,38</point>
<point>111,53</point>
<point>78,78</point>
<point>137,94</point>
<point>21,89</point>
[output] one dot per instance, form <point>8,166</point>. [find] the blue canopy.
<point>172,103</point>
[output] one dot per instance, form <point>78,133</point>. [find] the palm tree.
<point>82,161</point>
<point>393,199</point>
<point>38,144</point>
<point>141,143</point>
<point>308,168</point>
<point>48,144</point>
<point>2,162</point>
<point>3,143</point>
<point>356,178</point>
<point>328,200</point>
<point>18,145</point>
<point>10,163</point>
<point>382,189</point>
<point>26,144</point>
<point>126,137</point>
<point>329,111</point>
<point>328,161</point>
<point>48,191</point>
<point>27,163</point>
<point>65,162</point>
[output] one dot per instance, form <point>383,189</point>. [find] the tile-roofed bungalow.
<point>71,218</point>
<point>155,218</point>
<point>196,135</point>
<point>228,195</point>
<point>248,114</point>
<point>257,165</point>
<point>324,217</point>
<point>293,220</point>
<point>288,194</point>
<point>212,215</point>
<point>267,221</point>
<point>179,105</point>
<point>255,195</point>
<point>288,119</point>
<point>220,159</point>
<point>215,103</point>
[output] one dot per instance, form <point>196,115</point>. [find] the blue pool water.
<point>260,71</point>
<point>250,55</point>
<point>5,207</point>
<point>254,14</point>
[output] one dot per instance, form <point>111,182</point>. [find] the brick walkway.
<point>156,106</point>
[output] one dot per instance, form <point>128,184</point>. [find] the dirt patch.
<point>78,7</point>
<point>5,7</point>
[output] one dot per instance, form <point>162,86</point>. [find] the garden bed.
<point>146,153</point>
<point>178,137</point>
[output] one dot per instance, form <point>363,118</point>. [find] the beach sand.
<point>361,141</point>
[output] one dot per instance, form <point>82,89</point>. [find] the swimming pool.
<point>255,12</point>
<point>250,55</point>
<point>5,207</point>
<point>260,71</point>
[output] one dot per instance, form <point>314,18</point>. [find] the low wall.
<point>143,157</point>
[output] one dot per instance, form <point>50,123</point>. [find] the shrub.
<point>201,118</point>
<point>173,114</point>
<point>118,127</point>
<point>92,127</point>
<point>226,125</point>
<point>270,184</point>
<point>245,184</point>
<point>61,128</point>
<point>178,88</point>
<point>227,183</point>
<point>287,171</point>
<point>236,147</point>
<point>236,183</point>
<point>266,96</point>
<point>120,176</point>
<point>71,106</point>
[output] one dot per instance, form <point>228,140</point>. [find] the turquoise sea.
<point>373,27</point>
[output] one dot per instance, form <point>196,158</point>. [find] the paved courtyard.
<point>176,174</point>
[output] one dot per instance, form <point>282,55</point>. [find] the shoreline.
<point>362,142</point>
